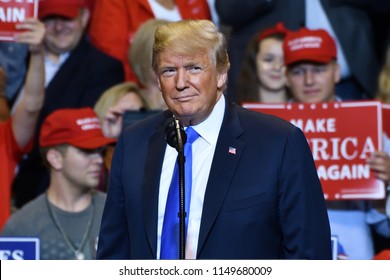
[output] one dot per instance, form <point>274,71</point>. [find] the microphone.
<point>176,138</point>
<point>175,134</point>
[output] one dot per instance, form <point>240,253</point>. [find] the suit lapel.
<point>151,182</point>
<point>226,157</point>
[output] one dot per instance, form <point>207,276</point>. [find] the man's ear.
<point>85,15</point>
<point>336,73</point>
<point>158,83</point>
<point>221,80</point>
<point>55,159</point>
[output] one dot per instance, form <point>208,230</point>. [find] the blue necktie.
<point>170,230</point>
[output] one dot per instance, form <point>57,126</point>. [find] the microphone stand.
<point>182,214</point>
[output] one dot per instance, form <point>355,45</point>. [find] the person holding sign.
<point>76,74</point>
<point>381,162</point>
<point>254,192</point>
<point>17,131</point>
<point>312,74</point>
<point>14,55</point>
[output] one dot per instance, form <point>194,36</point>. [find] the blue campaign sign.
<point>19,248</point>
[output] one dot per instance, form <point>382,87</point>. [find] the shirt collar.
<point>62,59</point>
<point>214,121</point>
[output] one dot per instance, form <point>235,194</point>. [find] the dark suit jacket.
<point>264,202</point>
<point>79,82</point>
<point>352,21</point>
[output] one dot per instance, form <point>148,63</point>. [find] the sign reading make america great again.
<point>341,136</point>
<point>13,12</point>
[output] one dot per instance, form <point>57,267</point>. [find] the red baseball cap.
<point>63,8</point>
<point>279,28</point>
<point>77,127</point>
<point>309,45</point>
<point>383,255</point>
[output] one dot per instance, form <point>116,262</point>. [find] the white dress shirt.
<point>202,156</point>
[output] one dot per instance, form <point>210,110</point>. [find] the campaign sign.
<point>341,135</point>
<point>13,12</point>
<point>19,248</point>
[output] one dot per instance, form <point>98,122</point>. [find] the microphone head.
<point>172,127</point>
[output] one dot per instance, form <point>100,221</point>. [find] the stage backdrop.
<point>341,136</point>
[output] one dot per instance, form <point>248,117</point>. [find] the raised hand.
<point>33,34</point>
<point>379,162</point>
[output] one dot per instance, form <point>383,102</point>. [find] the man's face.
<point>81,168</point>
<point>313,82</point>
<point>190,84</point>
<point>62,34</point>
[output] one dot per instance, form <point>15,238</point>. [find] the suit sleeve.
<point>114,242</point>
<point>304,219</point>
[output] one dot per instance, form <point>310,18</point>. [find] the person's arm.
<point>109,31</point>
<point>108,28</point>
<point>4,109</point>
<point>26,114</point>
<point>112,122</point>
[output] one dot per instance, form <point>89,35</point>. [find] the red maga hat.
<point>77,127</point>
<point>279,28</point>
<point>63,8</point>
<point>309,45</point>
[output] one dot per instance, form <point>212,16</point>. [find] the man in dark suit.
<point>255,191</point>
<point>76,75</point>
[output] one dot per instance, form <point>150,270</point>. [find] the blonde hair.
<point>191,37</point>
<point>112,95</point>
<point>141,48</point>
<point>384,80</point>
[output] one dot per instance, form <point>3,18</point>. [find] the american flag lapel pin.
<point>232,151</point>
